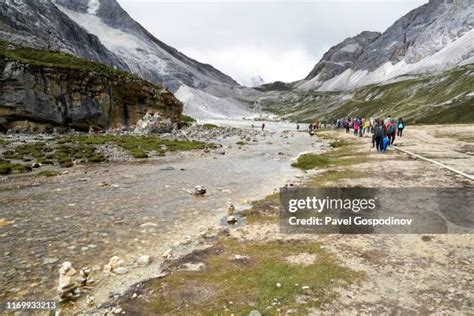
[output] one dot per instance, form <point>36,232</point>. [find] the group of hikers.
<point>384,131</point>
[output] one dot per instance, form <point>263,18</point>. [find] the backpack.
<point>400,125</point>
<point>379,131</point>
<point>392,129</point>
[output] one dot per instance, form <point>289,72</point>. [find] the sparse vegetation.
<point>47,58</point>
<point>64,150</point>
<point>187,119</point>
<point>249,284</point>
<point>210,126</point>
<point>47,173</point>
<point>429,99</point>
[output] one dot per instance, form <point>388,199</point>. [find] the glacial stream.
<point>144,209</point>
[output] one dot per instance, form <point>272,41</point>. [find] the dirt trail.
<point>404,274</point>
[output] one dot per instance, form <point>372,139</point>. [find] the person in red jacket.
<point>391,128</point>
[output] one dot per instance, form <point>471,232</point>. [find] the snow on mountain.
<point>40,24</point>
<point>434,37</point>
<point>144,54</point>
<point>202,105</point>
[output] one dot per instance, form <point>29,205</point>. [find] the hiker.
<point>366,125</point>
<point>356,127</point>
<point>379,134</point>
<point>311,129</point>
<point>346,125</point>
<point>391,127</point>
<point>263,126</point>
<point>400,126</point>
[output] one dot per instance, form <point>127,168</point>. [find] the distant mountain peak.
<point>433,37</point>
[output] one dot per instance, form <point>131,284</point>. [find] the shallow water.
<point>62,218</point>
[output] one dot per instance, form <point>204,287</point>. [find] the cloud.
<point>274,39</point>
<point>245,62</point>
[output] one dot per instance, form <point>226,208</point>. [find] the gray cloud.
<point>278,40</point>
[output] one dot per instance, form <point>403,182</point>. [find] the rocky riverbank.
<point>91,212</point>
<point>255,269</point>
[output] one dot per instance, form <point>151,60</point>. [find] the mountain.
<point>102,31</point>
<point>434,37</point>
<point>144,54</point>
<point>445,97</point>
<point>40,24</point>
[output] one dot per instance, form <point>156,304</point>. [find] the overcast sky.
<point>277,40</point>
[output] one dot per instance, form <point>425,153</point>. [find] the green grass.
<point>187,119</point>
<point>341,154</point>
<point>46,58</point>
<point>47,173</point>
<point>250,285</point>
<point>311,161</point>
<point>65,149</point>
<point>7,167</point>
<point>427,99</point>
<point>210,126</point>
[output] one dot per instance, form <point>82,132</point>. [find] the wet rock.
<point>198,190</point>
<point>149,224</point>
<point>90,300</point>
<point>239,258</point>
<point>144,260</point>
<point>115,265</point>
<point>168,254</point>
<point>50,260</point>
<point>120,270</point>
<point>231,219</point>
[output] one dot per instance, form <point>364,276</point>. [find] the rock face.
<point>342,56</point>
<point>434,37</point>
<point>40,24</point>
<point>78,98</point>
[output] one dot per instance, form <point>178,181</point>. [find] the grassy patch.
<point>47,173</point>
<point>210,126</point>
<point>7,167</point>
<point>249,284</point>
<point>311,161</point>
<point>3,142</point>
<point>66,149</point>
<point>265,210</point>
<point>47,58</point>
<point>341,154</point>
<point>187,119</point>
<point>241,143</point>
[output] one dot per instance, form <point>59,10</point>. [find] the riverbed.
<point>128,209</point>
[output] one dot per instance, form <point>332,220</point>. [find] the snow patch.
<point>350,48</point>
<point>93,6</point>
<point>201,105</point>
<point>459,52</point>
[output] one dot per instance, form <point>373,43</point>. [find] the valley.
<point>137,180</point>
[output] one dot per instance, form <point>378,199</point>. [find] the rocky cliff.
<point>59,89</point>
